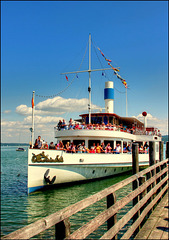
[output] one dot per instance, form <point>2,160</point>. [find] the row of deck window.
<point>113,144</point>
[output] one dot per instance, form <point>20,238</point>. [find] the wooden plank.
<point>157,230</point>
<point>115,229</point>
<point>145,230</point>
<point>161,225</point>
<point>28,231</point>
<point>152,221</point>
<point>165,234</point>
<point>142,216</point>
<point>91,226</point>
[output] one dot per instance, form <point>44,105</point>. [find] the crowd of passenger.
<point>81,148</point>
<point>62,125</point>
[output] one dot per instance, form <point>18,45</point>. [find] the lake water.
<point>19,209</point>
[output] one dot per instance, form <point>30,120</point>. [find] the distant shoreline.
<point>14,144</point>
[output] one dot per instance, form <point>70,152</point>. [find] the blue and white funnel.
<point>109,97</point>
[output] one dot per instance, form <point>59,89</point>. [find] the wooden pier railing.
<point>149,186</point>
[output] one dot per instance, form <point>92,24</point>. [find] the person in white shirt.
<point>118,148</point>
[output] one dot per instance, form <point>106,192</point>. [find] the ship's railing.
<point>135,131</point>
<point>147,188</point>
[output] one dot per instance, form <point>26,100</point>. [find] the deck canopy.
<point>131,121</point>
<point>99,118</point>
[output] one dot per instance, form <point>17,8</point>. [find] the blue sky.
<point>40,40</point>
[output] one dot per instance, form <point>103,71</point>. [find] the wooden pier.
<point>157,225</point>
<point>148,192</point>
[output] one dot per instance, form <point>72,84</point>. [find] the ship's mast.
<point>89,71</point>
<point>89,88</point>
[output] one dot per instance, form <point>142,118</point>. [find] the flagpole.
<point>126,102</point>
<point>33,108</point>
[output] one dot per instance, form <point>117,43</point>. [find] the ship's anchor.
<point>47,178</point>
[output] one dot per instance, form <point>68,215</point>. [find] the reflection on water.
<point>18,209</point>
<point>43,203</point>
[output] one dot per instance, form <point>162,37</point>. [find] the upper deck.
<point>108,125</point>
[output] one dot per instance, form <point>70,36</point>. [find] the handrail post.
<point>142,180</point>
<point>111,200</point>
<point>135,170</point>
<point>161,157</point>
<point>152,161</point>
<point>62,229</point>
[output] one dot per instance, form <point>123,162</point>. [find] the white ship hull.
<point>76,167</point>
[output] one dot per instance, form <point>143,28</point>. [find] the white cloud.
<point>56,106</point>
<point>24,110</point>
<point>6,111</point>
<point>161,124</point>
<point>42,120</point>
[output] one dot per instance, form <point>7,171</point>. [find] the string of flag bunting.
<point>52,96</point>
<point>76,76</point>
<point>116,70</point>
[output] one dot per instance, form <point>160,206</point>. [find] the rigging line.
<point>97,55</point>
<point>105,74</point>
<point>70,82</point>
<point>118,90</point>
<point>112,60</point>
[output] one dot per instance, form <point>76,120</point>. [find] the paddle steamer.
<point>53,167</point>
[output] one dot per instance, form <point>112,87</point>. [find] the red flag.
<point>102,54</point>
<point>32,102</point>
<point>66,78</point>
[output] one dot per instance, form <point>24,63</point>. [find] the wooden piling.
<point>135,164</point>
<point>161,151</point>
<point>152,156</point>
<point>135,184</point>
<point>135,168</point>
<point>151,153</point>
<point>167,150</point>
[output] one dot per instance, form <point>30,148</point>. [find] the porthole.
<point>105,170</point>
<point>93,171</point>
